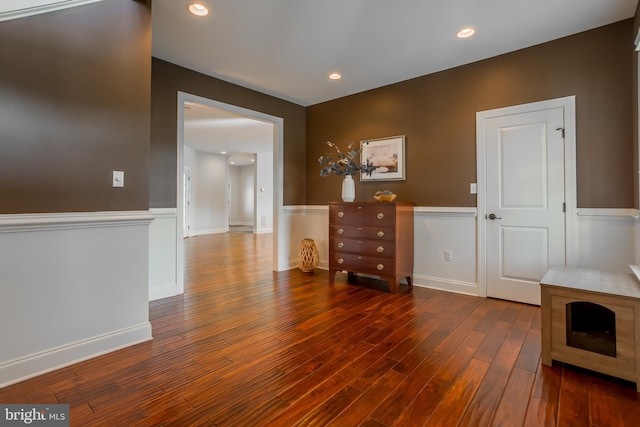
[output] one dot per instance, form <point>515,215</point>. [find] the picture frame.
<point>386,155</point>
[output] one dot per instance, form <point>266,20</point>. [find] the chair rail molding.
<point>609,214</point>
<point>11,223</point>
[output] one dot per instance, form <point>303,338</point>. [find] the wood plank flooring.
<point>245,346</point>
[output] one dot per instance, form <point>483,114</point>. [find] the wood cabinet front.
<point>374,238</point>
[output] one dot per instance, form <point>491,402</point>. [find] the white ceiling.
<point>214,130</point>
<point>287,48</point>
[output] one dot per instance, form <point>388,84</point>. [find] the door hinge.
<point>564,207</point>
<point>562,129</point>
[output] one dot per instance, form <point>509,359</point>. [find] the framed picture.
<point>387,157</point>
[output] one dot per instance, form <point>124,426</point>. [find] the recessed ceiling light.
<point>223,152</point>
<point>335,76</point>
<point>465,33</point>
<point>198,9</point>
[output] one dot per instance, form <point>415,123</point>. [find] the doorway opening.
<point>274,158</point>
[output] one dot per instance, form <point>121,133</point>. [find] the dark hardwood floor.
<point>248,347</point>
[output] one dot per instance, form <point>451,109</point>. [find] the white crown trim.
<point>37,7</point>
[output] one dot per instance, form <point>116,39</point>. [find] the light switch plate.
<point>473,188</point>
<point>118,178</point>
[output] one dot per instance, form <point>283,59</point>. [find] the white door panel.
<point>522,152</point>
<point>525,191</point>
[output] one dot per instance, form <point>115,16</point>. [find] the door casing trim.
<point>568,104</point>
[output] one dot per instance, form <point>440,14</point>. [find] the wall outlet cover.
<point>118,178</point>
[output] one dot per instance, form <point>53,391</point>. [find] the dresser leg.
<point>393,285</point>
<point>410,280</point>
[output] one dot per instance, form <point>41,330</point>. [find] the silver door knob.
<point>493,216</point>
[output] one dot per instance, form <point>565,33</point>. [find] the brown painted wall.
<point>437,113</point>
<point>167,80</point>
<point>74,106</point>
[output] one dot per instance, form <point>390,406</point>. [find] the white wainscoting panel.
<point>73,286</point>
<point>440,229</point>
<point>163,280</point>
<point>307,222</point>
<point>607,239</point>
<point>436,229</point>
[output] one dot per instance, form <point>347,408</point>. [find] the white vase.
<point>348,189</point>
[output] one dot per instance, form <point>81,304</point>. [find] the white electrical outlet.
<point>448,255</point>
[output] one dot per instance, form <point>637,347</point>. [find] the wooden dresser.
<point>374,238</point>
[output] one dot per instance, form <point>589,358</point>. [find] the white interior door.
<point>525,201</point>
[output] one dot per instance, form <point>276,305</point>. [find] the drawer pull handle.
<point>380,267</point>
<point>341,245</point>
<point>359,257</point>
<point>380,233</point>
<point>340,231</point>
<point>359,228</point>
<point>359,207</point>
<point>380,215</point>
<point>380,249</point>
<point>340,214</point>
<point>340,261</point>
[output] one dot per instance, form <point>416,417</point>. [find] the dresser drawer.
<point>355,214</point>
<point>351,232</point>
<point>364,264</point>
<point>364,247</point>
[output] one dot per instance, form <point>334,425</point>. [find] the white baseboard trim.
<point>33,365</point>
<point>445,285</point>
<point>324,265</point>
<point>241,223</point>
<point>263,231</point>
<point>161,292</point>
<point>210,231</point>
